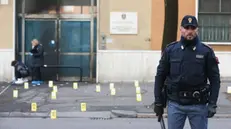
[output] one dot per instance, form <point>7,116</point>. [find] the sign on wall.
<point>123,23</point>
<point>3,2</point>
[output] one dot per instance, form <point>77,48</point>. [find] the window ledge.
<point>218,43</point>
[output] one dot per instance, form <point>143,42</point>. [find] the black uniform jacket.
<point>185,65</point>
<point>37,59</point>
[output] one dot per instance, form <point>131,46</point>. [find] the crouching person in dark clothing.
<point>36,61</point>
<point>21,72</point>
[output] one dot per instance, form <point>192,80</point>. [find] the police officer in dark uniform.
<point>37,61</point>
<point>184,69</point>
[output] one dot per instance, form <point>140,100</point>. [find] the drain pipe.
<point>23,31</point>
<point>92,41</point>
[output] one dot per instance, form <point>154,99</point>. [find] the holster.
<point>195,96</point>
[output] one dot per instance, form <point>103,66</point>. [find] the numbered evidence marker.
<point>112,86</point>
<point>113,91</point>
<point>97,88</point>
<point>136,83</point>
<point>55,89</point>
<point>50,84</point>
<point>26,85</point>
<point>15,93</point>
<point>75,85</point>
<point>137,90</point>
<point>33,107</point>
<point>229,89</point>
<point>138,97</point>
<point>53,95</point>
<point>53,114</point>
<point>83,107</point>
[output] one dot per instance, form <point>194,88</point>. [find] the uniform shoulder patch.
<point>211,49</point>
<point>217,60</point>
<point>207,45</point>
<point>168,45</point>
<point>172,43</point>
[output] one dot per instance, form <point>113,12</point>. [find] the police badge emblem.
<point>190,20</point>
<point>123,16</point>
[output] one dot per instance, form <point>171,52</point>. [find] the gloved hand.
<point>13,80</point>
<point>31,54</point>
<point>159,110</point>
<point>211,110</point>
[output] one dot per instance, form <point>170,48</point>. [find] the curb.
<point>93,115</point>
<point>149,115</point>
<point>132,114</point>
<point>124,114</point>
<point>24,114</point>
<point>226,79</point>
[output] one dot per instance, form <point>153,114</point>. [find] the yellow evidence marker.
<point>136,83</point>
<point>53,114</point>
<point>111,86</point>
<point>75,85</point>
<point>97,88</point>
<point>15,93</point>
<point>33,107</point>
<point>138,97</point>
<point>137,90</point>
<point>229,89</point>
<point>83,107</point>
<point>53,95</point>
<point>50,84</point>
<point>26,85</point>
<point>55,89</point>
<point>113,91</point>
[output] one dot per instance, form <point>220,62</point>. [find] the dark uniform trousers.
<point>185,69</point>
<point>36,74</point>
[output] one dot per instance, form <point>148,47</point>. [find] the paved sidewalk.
<point>68,100</point>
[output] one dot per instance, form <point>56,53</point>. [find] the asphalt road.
<point>78,123</point>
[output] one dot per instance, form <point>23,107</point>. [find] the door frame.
<point>58,16</point>
<point>25,53</point>
<point>58,20</point>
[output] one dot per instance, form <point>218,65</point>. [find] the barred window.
<point>214,19</point>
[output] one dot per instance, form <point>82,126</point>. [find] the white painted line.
<point>4,89</point>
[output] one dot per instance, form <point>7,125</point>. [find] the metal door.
<point>65,43</point>
<point>45,32</point>
<point>74,48</point>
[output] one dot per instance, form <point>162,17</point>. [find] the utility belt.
<point>189,97</point>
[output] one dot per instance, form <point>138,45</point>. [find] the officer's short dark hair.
<point>13,63</point>
<point>189,20</point>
